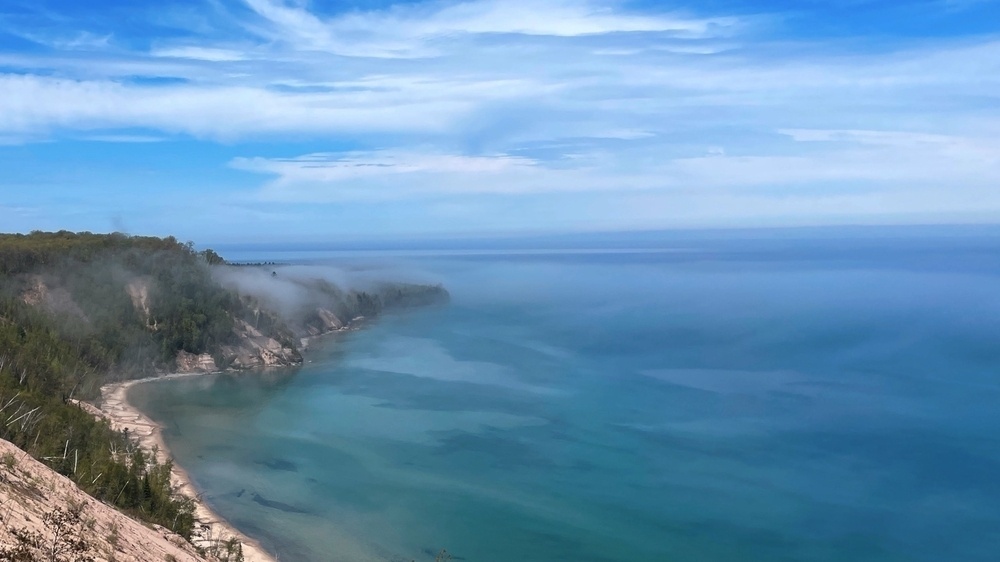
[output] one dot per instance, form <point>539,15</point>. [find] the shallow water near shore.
<point>701,400</point>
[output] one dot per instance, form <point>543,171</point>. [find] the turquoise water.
<point>707,400</point>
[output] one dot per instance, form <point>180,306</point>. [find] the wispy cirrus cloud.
<point>415,29</point>
<point>853,162</point>
<point>141,139</point>
<point>388,173</point>
<point>214,93</point>
<point>36,104</point>
<point>210,54</point>
<point>513,98</point>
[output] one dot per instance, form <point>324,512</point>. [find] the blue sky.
<point>228,120</point>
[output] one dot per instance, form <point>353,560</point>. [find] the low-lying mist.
<point>314,298</point>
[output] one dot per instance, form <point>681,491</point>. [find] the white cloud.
<point>543,86</point>
<point>387,174</point>
<point>897,164</point>
<point>882,138</point>
<point>550,96</point>
<point>409,30</point>
<point>68,41</point>
<point>34,104</point>
<point>129,139</point>
<point>560,18</point>
<point>964,155</point>
<point>546,95</point>
<point>194,52</point>
<point>625,134</point>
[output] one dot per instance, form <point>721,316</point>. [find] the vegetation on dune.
<point>66,321</point>
<point>105,463</point>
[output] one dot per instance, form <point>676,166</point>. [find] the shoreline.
<point>210,527</point>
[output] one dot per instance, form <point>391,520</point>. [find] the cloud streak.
<point>461,99</point>
<point>408,30</point>
<point>848,162</point>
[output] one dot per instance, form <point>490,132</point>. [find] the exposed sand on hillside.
<point>30,491</point>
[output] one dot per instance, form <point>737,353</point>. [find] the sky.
<point>312,120</point>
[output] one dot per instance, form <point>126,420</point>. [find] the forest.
<point>67,325</point>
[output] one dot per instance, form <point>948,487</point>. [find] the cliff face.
<point>138,291</point>
<point>250,349</point>
<point>191,363</point>
<point>302,303</point>
<point>254,349</point>
<point>53,299</point>
<point>45,516</point>
<point>328,322</point>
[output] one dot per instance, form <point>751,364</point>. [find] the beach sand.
<point>122,415</point>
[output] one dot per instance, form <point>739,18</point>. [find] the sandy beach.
<point>122,415</point>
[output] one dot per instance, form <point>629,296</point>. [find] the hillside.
<point>78,310</point>
<point>45,516</point>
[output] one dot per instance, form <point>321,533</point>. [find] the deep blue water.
<point>700,400</point>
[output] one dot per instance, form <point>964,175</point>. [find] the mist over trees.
<point>119,304</point>
<point>67,321</point>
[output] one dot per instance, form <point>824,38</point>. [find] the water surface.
<point>705,400</point>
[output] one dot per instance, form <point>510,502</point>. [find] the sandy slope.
<point>29,490</point>
<point>122,415</point>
